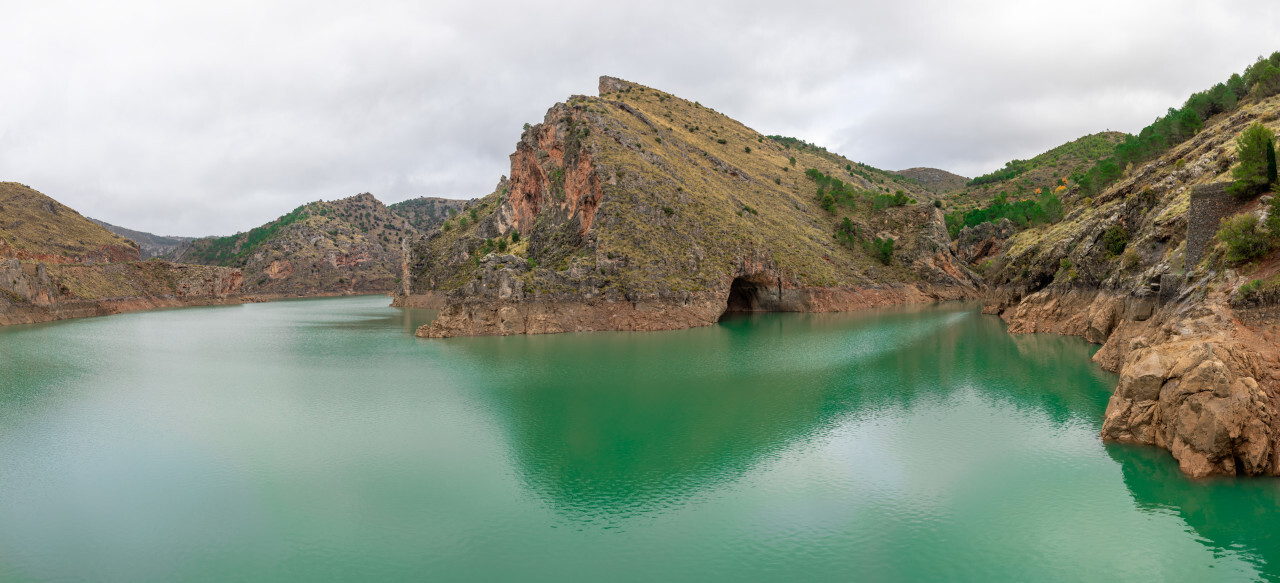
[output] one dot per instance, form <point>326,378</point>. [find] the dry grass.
<point>35,223</point>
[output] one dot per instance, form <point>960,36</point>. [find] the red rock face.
<point>545,175</point>
<point>349,259</point>
<point>279,269</point>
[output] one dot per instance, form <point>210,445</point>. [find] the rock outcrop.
<point>985,241</point>
<point>1192,380</point>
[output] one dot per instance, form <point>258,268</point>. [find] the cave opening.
<point>746,296</point>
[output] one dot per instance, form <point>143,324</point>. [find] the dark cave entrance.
<point>747,295</point>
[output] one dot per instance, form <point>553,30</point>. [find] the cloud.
<point>188,119</point>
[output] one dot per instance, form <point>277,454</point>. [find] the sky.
<point>204,118</point>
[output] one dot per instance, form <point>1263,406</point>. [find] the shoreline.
<point>20,315</point>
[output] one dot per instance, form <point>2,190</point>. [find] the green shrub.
<point>668,210</point>
<point>747,149</point>
<point>882,249</point>
<point>515,236</point>
<point>721,141</point>
<point>777,181</point>
<point>1268,81</point>
<point>1116,238</point>
<point>827,201</point>
<point>937,204</point>
<point>1244,240</point>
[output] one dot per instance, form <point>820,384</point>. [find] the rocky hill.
<point>36,227</point>
<point>351,245</point>
<point>1142,268</point>
<point>934,179</point>
<point>426,212</point>
<point>149,245</point>
<point>56,264</point>
<point>638,210</point>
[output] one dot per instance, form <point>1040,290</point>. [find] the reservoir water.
<point>319,440</point>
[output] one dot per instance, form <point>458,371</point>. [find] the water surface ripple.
<point>319,440</point>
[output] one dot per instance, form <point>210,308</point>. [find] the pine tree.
<point>1251,176</point>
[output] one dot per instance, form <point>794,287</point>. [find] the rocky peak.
<point>614,85</point>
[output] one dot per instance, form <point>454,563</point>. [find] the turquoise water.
<point>319,440</point>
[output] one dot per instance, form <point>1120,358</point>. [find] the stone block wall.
<point>1210,203</point>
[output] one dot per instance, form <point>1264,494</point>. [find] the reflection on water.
<point>607,425</point>
<point>319,440</point>
<point>1232,516</point>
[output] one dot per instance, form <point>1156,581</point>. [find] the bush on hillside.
<point>1116,238</point>
<point>1243,239</point>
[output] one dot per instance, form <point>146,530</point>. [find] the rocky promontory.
<point>638,210</point>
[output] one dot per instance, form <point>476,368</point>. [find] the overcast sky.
<point>173,118</point>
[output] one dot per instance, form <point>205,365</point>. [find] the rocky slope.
<point>1199,371</point>
<point>427,212</point>
<point>56,264</point>
<point>149,245</point>
<point>351,245</point>
<point>38,228</point>
<point>638,210</point>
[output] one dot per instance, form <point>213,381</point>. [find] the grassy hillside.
<point>33,225</point>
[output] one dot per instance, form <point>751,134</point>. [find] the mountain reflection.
<point>604,426</point>
<point>1230,515</point>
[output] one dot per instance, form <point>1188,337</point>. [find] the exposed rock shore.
<point>1193,379</point>
<point>32,292</point>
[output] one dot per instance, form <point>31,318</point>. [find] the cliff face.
<point>350,245</point>
<point>637,210</point>
<point>1199,371</point>
<point>56,264</point>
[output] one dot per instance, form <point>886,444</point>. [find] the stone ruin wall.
<point>1210,203</point>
